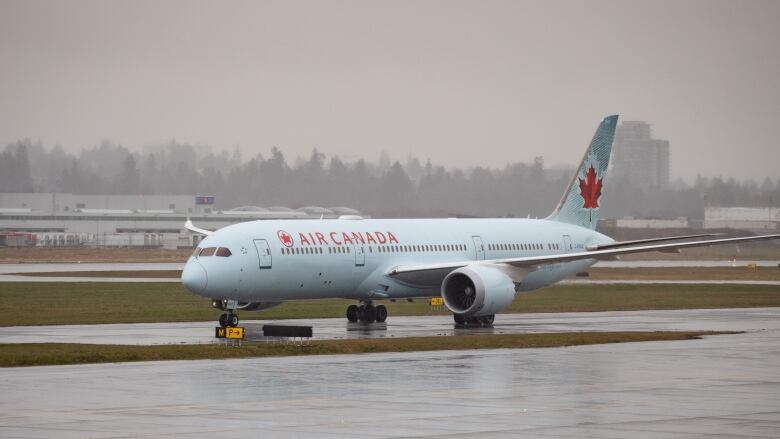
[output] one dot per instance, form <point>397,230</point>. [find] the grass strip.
<point>69,303</point>
<point>684,273</point>
<point>39,354</point>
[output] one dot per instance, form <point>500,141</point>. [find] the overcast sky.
<point>464,83</point>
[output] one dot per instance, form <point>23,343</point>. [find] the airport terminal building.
<point>54,219</point>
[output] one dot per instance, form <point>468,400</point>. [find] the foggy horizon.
<point>464,84</point>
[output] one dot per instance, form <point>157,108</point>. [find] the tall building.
<point>638,157</point>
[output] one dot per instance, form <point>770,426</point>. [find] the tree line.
<point>381,188</point>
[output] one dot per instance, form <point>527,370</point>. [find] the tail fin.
<point>580,202</point>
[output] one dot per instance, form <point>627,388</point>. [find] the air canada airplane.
<point>476,265</point>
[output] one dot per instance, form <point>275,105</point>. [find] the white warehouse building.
<point>132,220</point>
<point>757,219</point>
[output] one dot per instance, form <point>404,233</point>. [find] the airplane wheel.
<point>459,319</point>
<point>361,313</point>
<point>233,320</point>
<point>369,315</point>
<point>381,313</point>
<point>352,313</point>
<point>488,320</point>
<point>223,320</point>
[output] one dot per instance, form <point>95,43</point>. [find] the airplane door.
<point>479,248</point>
<point>567,243</point>
<point>360,255</point>
<point>263,253</point>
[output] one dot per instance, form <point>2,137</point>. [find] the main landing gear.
<point>366,313</point>
<point>462,321</point>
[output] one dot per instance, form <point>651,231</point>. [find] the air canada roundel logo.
<point>285,237</point>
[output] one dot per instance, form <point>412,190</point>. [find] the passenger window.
<point>223,252</point>
<point>208,251</point>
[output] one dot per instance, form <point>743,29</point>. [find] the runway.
<point>749,319</point>
<point>721,386</point>
<point>8,272</point>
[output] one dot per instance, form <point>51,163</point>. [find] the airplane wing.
<point>191,227</point>
<point>618,244</point>
<point>427,272</point>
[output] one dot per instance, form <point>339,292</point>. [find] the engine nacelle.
<point>477,290</point>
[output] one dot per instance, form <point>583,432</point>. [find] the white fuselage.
<point>350,258</point>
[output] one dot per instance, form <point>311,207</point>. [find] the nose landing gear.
<point>230,318</point>
<point>366,313</point>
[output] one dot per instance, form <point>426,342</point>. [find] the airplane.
<point>476,265</point>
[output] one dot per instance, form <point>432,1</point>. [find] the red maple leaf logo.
<point>590,189</point>
<point>285,238</point>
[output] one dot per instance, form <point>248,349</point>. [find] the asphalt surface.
<point>721,386</point>
<point>753,319</point>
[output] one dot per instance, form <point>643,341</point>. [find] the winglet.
<point>191,227</point>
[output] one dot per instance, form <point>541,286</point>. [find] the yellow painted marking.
<point>234,333</point>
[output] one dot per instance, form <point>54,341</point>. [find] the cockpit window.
<point>208,251</point>
<point>223,252</point>
<point>197,250</point>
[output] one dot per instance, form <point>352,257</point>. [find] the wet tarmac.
<point>722,386</point>
<point>752,319</point>
<point>8,272</point>
<point>113,266</point>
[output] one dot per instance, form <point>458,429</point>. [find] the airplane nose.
<point>194,278</point>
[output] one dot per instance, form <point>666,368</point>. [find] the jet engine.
<point>477,290</point>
